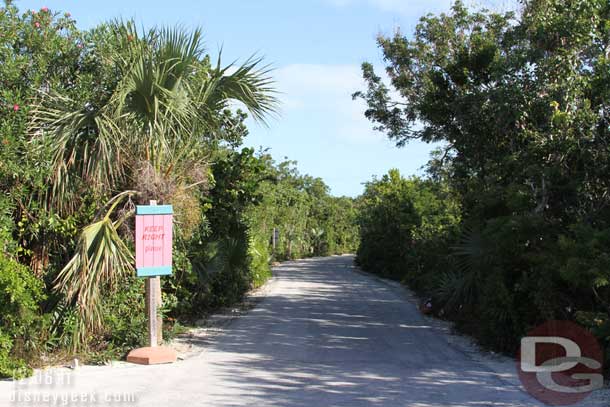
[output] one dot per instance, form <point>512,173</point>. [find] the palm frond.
<point>462,286</point>
<point>177,54</point>
<point>156,93</point>
<point>455,289</point>
<point>470,251</point>
<point>250,84</point>
<point>85,143</point>
<point>102,258</point>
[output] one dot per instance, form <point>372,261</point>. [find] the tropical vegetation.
<point>95,122</point>
<point>508,227</point>
<point>511,225</point>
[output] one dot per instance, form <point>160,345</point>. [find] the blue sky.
<point>317,47</point>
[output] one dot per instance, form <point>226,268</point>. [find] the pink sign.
<point>154,240</point>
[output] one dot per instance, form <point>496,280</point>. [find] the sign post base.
<point>152,355</point>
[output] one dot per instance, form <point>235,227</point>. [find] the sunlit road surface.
<point>325,335</point>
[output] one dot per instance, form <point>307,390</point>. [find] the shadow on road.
<point>330,336</point>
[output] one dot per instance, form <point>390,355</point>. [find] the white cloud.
<point>323,92</point>
<point>326,131</point>
<point>340,3</point>
<point>317,79</point>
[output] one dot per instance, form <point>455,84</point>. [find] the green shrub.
<point>404,228</point>
<point>10,366</point>
<point>260,271</point>
<point>20,295</point>
<point>124,319</point>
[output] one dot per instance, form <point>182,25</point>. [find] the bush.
<point>124,320</point>
<point>260,271</point>
<point>404,228</point>
<point>20,295</point>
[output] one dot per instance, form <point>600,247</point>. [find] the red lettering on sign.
<point>153,240</point>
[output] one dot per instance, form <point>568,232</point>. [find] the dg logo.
<point>560,363</point>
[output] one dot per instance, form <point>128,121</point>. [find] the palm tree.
<point>147,141</point>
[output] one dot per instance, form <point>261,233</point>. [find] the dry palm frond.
<point>102,258</point>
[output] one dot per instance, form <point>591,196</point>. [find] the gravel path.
<point>324,334</point>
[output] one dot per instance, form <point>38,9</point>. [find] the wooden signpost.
<point>154,233</point>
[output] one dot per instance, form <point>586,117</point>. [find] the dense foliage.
<point>404,227</point>
<point>308,221</point>
<point>20,294</point>
<point>94,122</point>
<point>232,248</point>
<point>520,106</point>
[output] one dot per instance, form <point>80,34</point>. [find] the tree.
<point>147,139</point>
<point>401,221</point>
<point>519,105</point>
<point>310,221</point>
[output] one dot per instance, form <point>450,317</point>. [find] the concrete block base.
<point>152,355</point>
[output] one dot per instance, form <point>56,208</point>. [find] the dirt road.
<point>325,335</point>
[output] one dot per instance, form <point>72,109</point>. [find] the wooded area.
<point>508,228</point>
<point>94,122</point>
<point>511,227</point>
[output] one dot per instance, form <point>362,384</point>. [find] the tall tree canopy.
<point>519,103</point>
